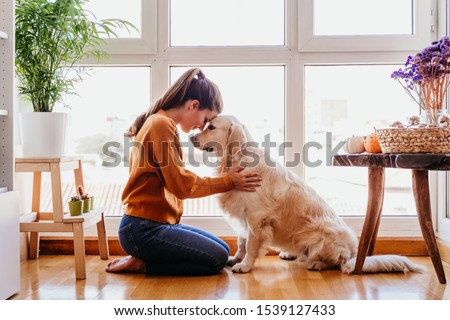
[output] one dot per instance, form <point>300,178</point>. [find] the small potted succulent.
<point>75,206</point>
<point>86,198</point>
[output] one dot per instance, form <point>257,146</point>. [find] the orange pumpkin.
<point>371,144</point>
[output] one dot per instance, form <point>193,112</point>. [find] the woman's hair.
<point>192,85</point>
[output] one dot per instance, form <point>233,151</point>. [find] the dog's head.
<point>221,136</point>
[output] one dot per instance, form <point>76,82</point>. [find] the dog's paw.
<point>241,268</point>
<point>348,266</point>
<point>302,258</point>
<point>317,266</point>
<point>287,256</point>
<point>232,261</point>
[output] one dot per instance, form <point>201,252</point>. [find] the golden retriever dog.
<point>284,214</point>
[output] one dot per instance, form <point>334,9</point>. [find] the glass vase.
<point>431,117</point>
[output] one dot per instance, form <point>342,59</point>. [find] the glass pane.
<point>346,101</point>
<point>226,22</point>
<point>263,115</point>
<point>106,104</point>
<point>129,10</point>
<point>363,17</point>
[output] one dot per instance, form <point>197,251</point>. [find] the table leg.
<point>377,226</point>
<point>423,207</point>
<point>373,217</point>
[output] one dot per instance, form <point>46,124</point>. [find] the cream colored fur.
<point>284,214</point>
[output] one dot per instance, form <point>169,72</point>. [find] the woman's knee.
<point>220,259</point>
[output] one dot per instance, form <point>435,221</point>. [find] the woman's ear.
<point>195,104</point>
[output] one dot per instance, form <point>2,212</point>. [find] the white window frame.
<point>147,43</point>
<point>443,184</point>
<point>443,206</point>
<point>308,42</point>
<point>294,60</point>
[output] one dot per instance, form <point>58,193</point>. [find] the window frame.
<point>443,178</point>
<point>147,43</point>
<point>423,11</point>
<point>168,23</point>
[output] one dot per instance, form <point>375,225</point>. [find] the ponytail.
<point>192,85</point>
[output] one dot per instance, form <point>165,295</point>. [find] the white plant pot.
<point>43,134</point>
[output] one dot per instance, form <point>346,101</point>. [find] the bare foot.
<point>127,264</point>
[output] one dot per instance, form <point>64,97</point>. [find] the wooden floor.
<point>52,277</point>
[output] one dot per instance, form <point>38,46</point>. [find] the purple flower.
<point>426,76</point>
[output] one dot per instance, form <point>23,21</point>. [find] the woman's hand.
<point>245,181</point>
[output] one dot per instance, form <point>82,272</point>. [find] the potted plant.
<point>50,37</point>
<point>86,198</point>
<point>75,206</point>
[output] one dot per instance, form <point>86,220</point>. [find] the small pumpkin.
<point>371,144</point>
<point>354,145</point>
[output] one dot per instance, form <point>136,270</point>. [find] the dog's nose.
<point>194,141</point>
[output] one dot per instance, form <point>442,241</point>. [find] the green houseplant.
<point>51,36</point>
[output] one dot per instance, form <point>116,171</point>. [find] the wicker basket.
<point>415,140</point>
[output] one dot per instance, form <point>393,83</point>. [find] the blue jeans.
<point>169,249</point>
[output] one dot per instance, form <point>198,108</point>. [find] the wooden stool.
<point>419,163</point>
<point>58,221</point>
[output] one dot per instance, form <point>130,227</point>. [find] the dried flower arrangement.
<point>426,76</point>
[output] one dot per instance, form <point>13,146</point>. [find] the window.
<point>443,185</point>
<point>342,101</point>
<point>141,13</point>
<point>443,181</point>
<point>360,17</point>
<point>106,9</point>
<point>106,104</point>
<point>364,25</point>
<point>263,115</point>
<point>343,68</point>
<point>226,22</point>
<point>297,65</point>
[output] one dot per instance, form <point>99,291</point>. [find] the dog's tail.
<point>383,263</point>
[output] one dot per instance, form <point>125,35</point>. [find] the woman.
<point>149,230</point>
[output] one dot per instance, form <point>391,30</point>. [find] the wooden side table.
<point>58,221</point>
<point>419,163</point>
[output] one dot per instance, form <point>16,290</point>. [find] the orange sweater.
<point>158,180</point>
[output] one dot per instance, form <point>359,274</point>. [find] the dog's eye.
<point>211,127</point>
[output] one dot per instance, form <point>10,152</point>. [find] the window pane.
<point>129,10</point>
<point>226,22</point>
<point>263,115</point>
<point>363,17</point>
<point>346,101</point>
<point>107,103</point>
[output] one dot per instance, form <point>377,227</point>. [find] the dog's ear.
<point>236,135</point>
<point>236,138</point>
